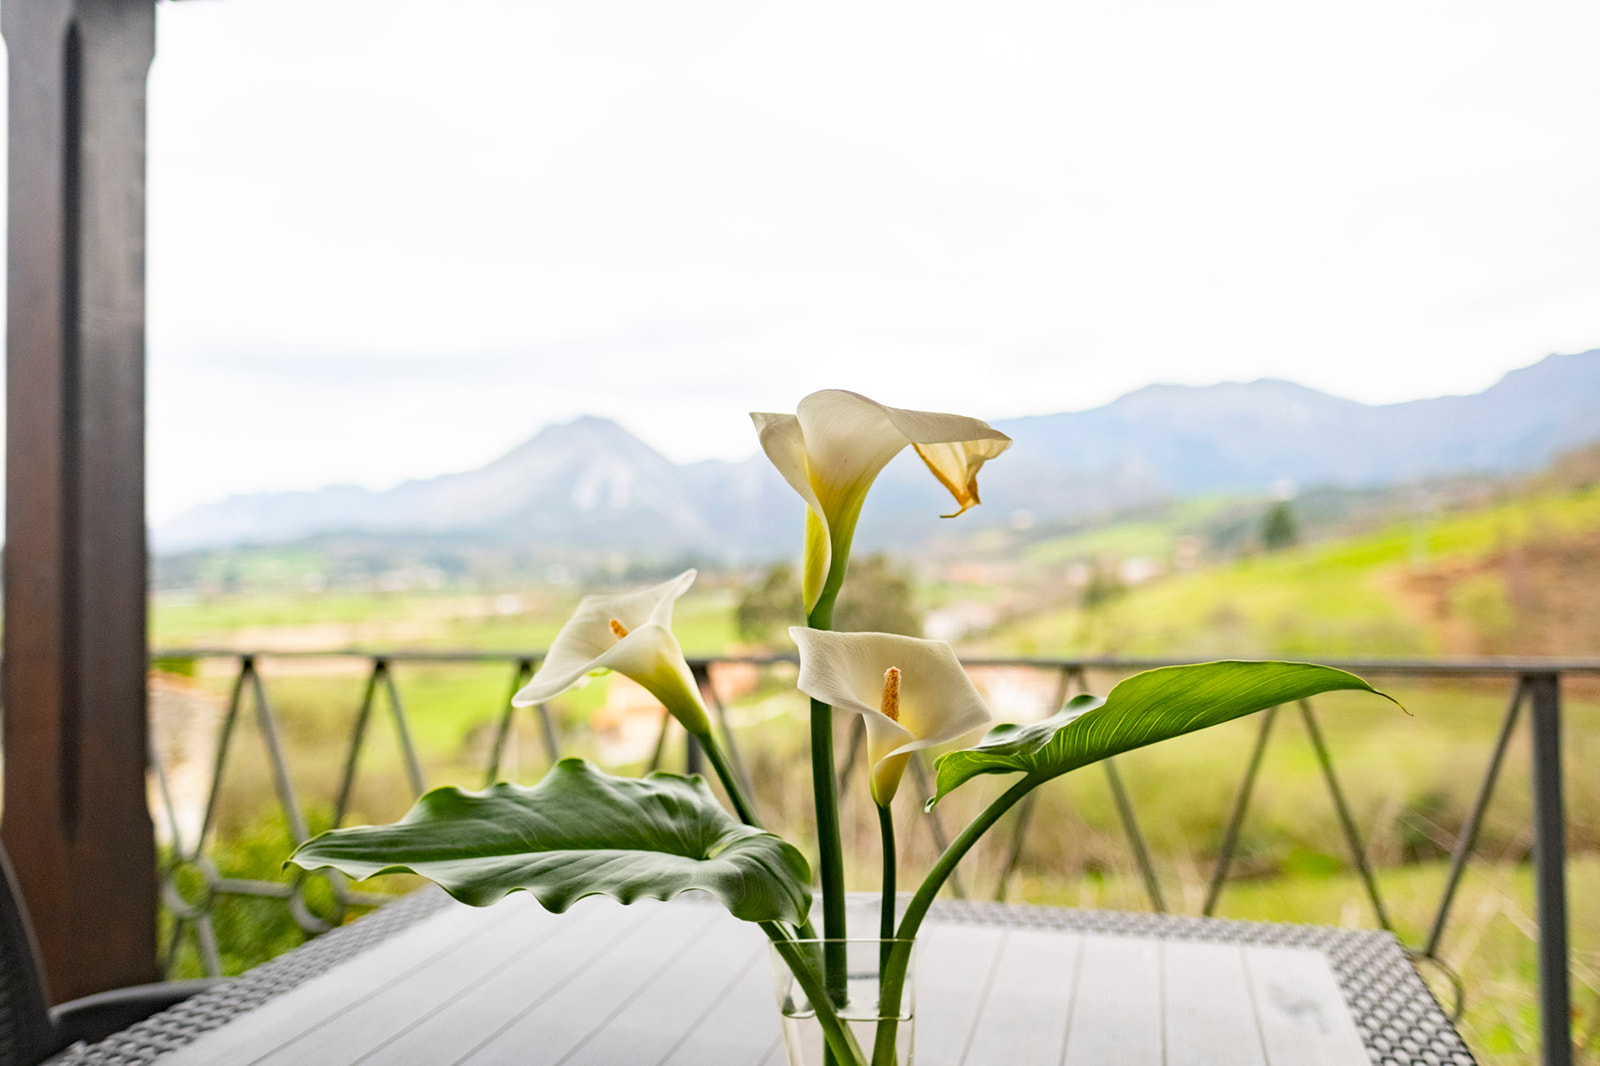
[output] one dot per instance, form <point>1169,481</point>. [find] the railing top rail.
<point>1491,666</point>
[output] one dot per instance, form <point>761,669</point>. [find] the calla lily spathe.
<point>834,445</point>
<point>933,700</point>
<point>630,633</point>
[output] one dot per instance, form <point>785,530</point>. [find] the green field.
<point>509,622</point>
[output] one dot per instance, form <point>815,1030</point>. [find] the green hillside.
<point>1458,583</point>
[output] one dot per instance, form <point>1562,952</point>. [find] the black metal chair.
<point>30,1030</point>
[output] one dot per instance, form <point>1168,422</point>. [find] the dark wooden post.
<point>76,822</point>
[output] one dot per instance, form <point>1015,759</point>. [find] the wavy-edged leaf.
<point>1146,708</point>
<point>577,833</point>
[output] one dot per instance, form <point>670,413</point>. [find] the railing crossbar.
<point>1485,666</point>
<point>1130,825</point>
<point>702,677</point>
<point>382,674</point>
<point>520,673</point>
<point>403,732</point>
<point>855,747</point>
<point>1067,674</point>
<point>1241,803</point>
<point>224,739</point>
<point>547,732</point>
<point>855,744</point>
<point>941,838</point>
<point>341,803</point>
<point>268,725</point>
<point>1347,822</point>
<point>660,751</point>
<point>1468,838</point>
<point>205,934</point>
<point>164,790</point>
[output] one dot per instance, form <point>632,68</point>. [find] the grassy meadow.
<point>1510,575</point>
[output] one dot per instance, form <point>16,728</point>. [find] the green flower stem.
<point>894,974</point>
<point>825,793</point>
<point>886,909</point>
<point>742,805</point>
<point>885,928</point>
<point>841,1042</point>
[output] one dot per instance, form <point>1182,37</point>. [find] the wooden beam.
<point>76,822</point>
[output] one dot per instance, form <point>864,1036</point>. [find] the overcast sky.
<point>391,239</point>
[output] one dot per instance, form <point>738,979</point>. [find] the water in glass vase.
<point>861,1013</point>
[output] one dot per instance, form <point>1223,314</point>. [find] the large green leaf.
<point>1155,705</point>
<point>577,833</point>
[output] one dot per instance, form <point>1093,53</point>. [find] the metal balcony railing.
<point>192,884</point>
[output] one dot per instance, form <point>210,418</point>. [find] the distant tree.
<point>1278,529</point>
<point>768,608</point>
<point>1105,585</point>
<point>877,597</point>
<point>1232,532</point>
<point>1100,594</point>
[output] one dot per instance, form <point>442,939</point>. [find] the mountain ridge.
<point>591,484</point>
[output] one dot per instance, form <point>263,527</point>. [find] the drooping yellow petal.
<point>956,466</point>
<point>936,702</point>
<point>953,446</point>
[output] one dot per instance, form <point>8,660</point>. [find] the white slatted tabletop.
<point>684,983</point>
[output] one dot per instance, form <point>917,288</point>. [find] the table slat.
<point>953,963</point>
<point>457,1027</point>
<point>1209,1017</point>
<point>741,1026</point>
<point>1116,1020</point>
<point>325,998</point>
<point>677,998</point>
<point>553,1027</point>
<point>1303,1018</point>
<point>1024,1017</point>
<point>379,1020</point>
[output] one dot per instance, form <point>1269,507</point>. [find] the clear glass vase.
<point>863,1010</point>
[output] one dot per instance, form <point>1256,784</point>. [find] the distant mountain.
<point>590,486</point>
<point>1234,437</point>
<point>587,482</point>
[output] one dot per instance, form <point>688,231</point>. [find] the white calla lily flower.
<point>630,633</point>
<point>912,693</point>
<point>836,442</point>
